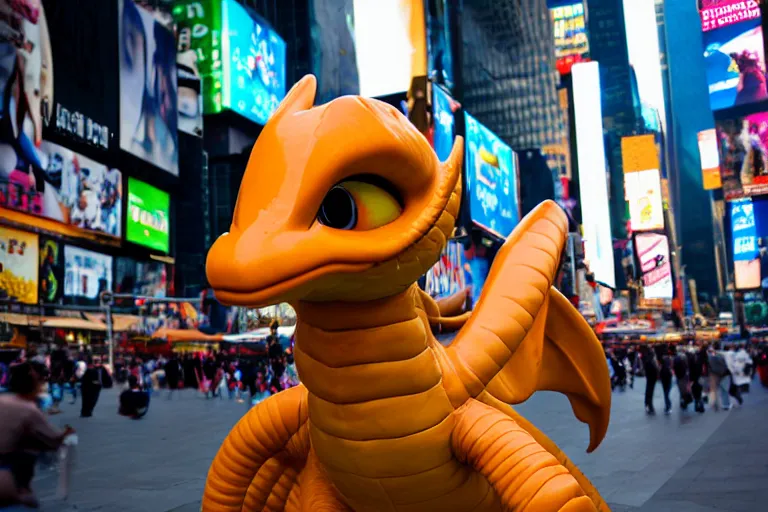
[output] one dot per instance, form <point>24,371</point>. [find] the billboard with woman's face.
<point>148,88</point>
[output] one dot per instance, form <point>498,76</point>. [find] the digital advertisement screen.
<point>148,88</point>
<point>145,278</point>
<point>439,36</point>
<point>593,180</point>
<point>735,62</point>
<point>240,58</point>
<point>190,94</point>
<point>383,68</point>
<point>746,253</point>
<point>492,184</point>
<point>147,222</point>
<point>643,193</point>
<point>254,65</point>
<point>448,275</point>
<point>443,109</point>
<point>721,13</point>
<point>571,43</point>
<point>644,56</point>
<point>653,254</point>
<point>743,146</point>
<point>64,186</point>
<point>86,275</point>
<point>84,73</point>
<point>710,159</point>
<point>51,271</point>
<point>199,29</point>
<point>18,265</point>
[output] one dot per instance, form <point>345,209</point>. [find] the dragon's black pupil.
<point>338,210</point>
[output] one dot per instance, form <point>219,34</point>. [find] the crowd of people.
<point>705,374</point>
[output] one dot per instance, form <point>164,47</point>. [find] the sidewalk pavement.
<point>681,462</point>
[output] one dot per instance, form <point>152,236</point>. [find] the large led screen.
<point>18,266</point>
<point>653,254</point>
<point>51,271</point>
<point>643,193</point>
<point>147,222</point>
<point>240,58</point>
<point>190,94</point>
<point>443,108</point>
<point>571,43</point>
<point>491,179</point>
<point>64,186</point>
<point>743,146</point>
<point>148,88</point>
<point>86,275</point>
<point>254,65</point>
<point>710,159</point>
<point>144,278</point>
<point>735,63</point>
<point>593,180</point>
<point>385,50</point>
<point>746,253</point>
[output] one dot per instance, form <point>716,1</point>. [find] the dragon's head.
<point>346,201</point>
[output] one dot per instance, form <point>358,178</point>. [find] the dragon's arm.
<point>258,463</point>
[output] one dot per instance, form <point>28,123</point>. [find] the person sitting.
<point>134,402</point>
<point>25,433</point>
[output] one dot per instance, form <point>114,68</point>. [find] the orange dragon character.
<point>341,209</point>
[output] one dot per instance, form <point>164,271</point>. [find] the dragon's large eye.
<point>359,206</point>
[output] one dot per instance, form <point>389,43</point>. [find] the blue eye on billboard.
<point>491,180</point>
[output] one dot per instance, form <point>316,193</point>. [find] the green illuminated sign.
<point>200,25</point>
<point>147,222</point>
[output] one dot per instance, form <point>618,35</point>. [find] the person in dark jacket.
<point>665,375</point>
<point>134,402</point>
<point>651,367</point>
<point>173,373</point>
<point>94,379</point>
<point>695,371</point>
<point>680,368</point>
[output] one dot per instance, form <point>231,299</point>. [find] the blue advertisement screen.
<point>491,180</point>
<point>445,123</point>
<point>254,65</point>
<point>744,230</point>
<point>735,63</point>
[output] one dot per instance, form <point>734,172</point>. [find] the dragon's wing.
<point>525,336</point>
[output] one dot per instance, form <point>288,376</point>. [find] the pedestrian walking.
<point>718,378</point>
<point>680,368</point>
<point>651,368</point>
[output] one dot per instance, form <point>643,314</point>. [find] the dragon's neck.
<point>356,352</point>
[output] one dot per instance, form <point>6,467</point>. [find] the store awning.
<point>14,318</point>
<point>72,323</point>
<point>120,323</point>
<point>185,335</point>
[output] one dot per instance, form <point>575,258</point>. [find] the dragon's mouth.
<point>286,289</point>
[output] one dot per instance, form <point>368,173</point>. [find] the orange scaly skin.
<point>387,419</point>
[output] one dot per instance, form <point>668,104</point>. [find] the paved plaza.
<point>682,462</point>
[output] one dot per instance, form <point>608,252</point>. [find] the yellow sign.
<point>639,153</point>
<point>710,160</point>
<point>18,265</point>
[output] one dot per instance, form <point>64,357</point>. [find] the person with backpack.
<point>680,368</point>
<point>718,378</point>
